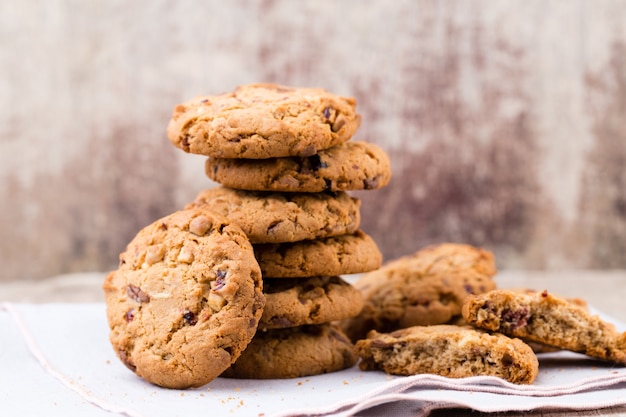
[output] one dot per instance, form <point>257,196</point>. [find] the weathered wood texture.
<point>505,121</point>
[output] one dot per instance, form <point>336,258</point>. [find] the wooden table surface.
<point>604,290</point>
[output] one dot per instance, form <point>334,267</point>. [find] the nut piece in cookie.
<point>546,319</point>
<point>426,288</point>
<point>448,350</point>
<point>259,121</point>
<point>185,300</point>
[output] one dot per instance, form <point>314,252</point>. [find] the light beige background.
<point>505,121</point>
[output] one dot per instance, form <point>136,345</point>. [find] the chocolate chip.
<point>130,315</point>
<point>507,360</point>
<point>219,284</point>
<point>307,151</point>
<point>327,112</point>
<point>468,289</point>
<point>220,281</point>
<point>190,317</point>
<point>288,182</point>
<point>370,183</point>
<point>137,294</point>
<point>123,355</point>
<point>281,322</point>
<point>185,142</point>
<point>273,225</point>
<point>488,305</point>
<point>315,162</point>
<point>514,319</point>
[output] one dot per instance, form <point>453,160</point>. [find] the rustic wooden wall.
<point>505,121</point>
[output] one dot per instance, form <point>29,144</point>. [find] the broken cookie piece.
<point>450,351</point>
<point>544,318</point>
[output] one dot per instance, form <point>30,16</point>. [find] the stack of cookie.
<point>286,165</point>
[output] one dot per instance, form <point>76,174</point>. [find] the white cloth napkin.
<point>60,354</point>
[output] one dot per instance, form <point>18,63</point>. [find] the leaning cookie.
<point>347,167</point>
<point>539,347</point>
<point>185,300</point>
<point>352,253</point>
<point>268,217</point>
<point>426,288</point>
<point>316,300</point>
<point>447,350</point>
<point>260,121</point>
<point>544,318</point>
<point>294,352</point>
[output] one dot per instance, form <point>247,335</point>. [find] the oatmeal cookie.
<point>258,121</point>
<point>294,352</point>
<point>185,300</point>
<point>338,255</point>
<point>350,166</point>
<point>426,288</point>
<point>268,217</point>
<point>316,300</point>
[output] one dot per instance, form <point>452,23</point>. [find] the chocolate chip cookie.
<point>350,166</point>
<point>268,217</point>
<point>260,121</point>
<point>294,352</point>
<point>338,255</point>
<point>426,288</point>
<point>447,350</point>
<point>546,319</point>
<point>185,300</point>
<point>299,301</point>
